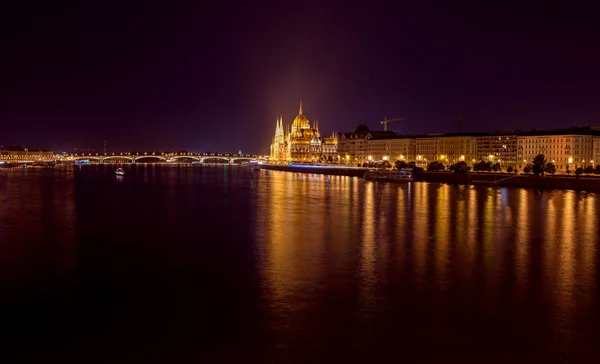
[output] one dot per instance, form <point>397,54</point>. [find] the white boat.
<point>119,172</point>
<point>398,176</point>
<point>255,166</point>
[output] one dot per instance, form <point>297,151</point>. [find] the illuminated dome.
<point>300,122</point>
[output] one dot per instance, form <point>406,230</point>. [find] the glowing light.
<point>570,160</point>
<point>462,157</point>
<point>370,157</point>
<point>385,157</point>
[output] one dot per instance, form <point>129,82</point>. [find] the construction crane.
<point>385,121</point>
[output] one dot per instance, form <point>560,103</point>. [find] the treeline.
<point>538,166</point>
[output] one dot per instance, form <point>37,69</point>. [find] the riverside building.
<point>566,148</point>
<point>16,153</point>
<point>364,145</point>
<point>301,142</point>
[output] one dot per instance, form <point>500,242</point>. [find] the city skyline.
<point>203,77</point>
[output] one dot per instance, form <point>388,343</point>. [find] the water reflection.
<point>312,268</point>
<point>455,251</point>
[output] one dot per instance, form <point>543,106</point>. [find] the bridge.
<point>165,157</point>
<point>32,157</point>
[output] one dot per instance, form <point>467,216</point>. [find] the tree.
<point>483,166</point>
<point>365,164</point>
<point>516,170</point>
<point>385,165</point>
<point>401,164</point>
<point>412,164</point>
<point>526,169</point>
<point>578,171</point>
<point>509,169</point>
<point>435,166</point>
<point>496,167</point>
<point>588,170</point>
<point>550,168</point>
<point>460,167</point>
<point>539,163</point>
<point>597,170</point>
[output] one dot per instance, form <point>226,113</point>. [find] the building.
<point>302,142</point>
<point>446,148</point>
<point>364,145</point>
<point>20,154</point>
<point>383,147</point>
<point>498,147</point>
<point>567,149</point>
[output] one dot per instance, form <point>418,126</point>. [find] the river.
<point>189,264</point>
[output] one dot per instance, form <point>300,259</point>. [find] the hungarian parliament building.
<point>302,142</point>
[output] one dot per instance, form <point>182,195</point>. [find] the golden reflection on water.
<point>522,243</point>
<point>368,279</point>
<point>420,221</point>
<point>339,232</point>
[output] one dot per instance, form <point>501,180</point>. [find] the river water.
<point>190,264</point>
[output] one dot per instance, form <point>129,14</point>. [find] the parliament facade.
<point>301,142</point>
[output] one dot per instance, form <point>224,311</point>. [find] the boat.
<point>119,172</point>
<point>255,166</point>
<point>397,176</point>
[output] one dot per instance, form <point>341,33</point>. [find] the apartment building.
<point>446,148</point>
<point>501,148</point>
<point>563,149</point>
<point>573,147</point>
<point>364,145</point>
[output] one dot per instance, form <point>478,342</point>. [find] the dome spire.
<point>300,112</point>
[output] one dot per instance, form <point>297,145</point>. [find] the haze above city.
<point>200,77</point>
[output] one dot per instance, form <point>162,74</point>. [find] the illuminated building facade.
<point>501,148</point>
<point>574,147</point>
<point>448,149</point>
<point>13,154</point>
<point>302,142</point>
<point>364,145</point>
<point>566,151</point>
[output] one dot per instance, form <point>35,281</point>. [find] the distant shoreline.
<point>584,183</point>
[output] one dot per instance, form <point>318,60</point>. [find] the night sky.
<point>199,77</point>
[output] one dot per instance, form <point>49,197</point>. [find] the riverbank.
<point>333,170</point>
<point>506,179</point>
<point>585,183</point>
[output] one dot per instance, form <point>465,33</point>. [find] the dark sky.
<point>196,76</point>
